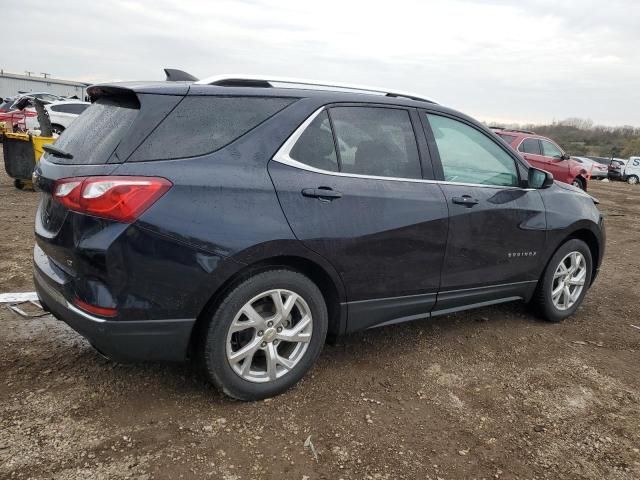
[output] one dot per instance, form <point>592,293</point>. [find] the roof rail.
<point>515,130</point>
<point>242,80</point>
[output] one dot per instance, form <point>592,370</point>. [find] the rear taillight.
<point>119,198</point>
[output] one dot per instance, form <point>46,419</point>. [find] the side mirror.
<point>540,178</point>
<point>565,156</point>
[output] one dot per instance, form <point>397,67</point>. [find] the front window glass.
<point>469,156</point>
<point>550,150</point>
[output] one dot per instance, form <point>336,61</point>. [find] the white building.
<point>12,84</point>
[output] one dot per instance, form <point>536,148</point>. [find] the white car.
<point>632,171</point>
<point>596,169</point>
<point>61,114</point>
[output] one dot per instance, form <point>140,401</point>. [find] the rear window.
<point>376,141</point>
<point>530,145</point>
<point>95,134</point>
<point>204,124</point>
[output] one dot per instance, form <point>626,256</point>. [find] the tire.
<point>19,184</point>
<point>578,182</point>
<point>632,180</point>
<point>543,299</point>
<point>220,344</point>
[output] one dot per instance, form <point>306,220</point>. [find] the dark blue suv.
<point>242,221</point>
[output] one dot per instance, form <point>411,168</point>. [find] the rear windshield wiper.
<point>58,152</point>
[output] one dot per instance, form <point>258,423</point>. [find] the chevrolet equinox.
<point>242,221</point>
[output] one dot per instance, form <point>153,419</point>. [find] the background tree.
<point>631,148</point>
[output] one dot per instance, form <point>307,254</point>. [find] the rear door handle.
<point>323,193</point>
<point>465,200</point>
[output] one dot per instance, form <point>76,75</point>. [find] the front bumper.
<point>121,340</point>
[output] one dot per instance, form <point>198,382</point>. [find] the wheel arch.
<point>583,180</point>
<point>328,284</point>
<point>587,236</point>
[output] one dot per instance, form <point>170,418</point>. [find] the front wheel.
<point>564,282</point>
<point>632,180</point>
<point>578,182</point>
<point>265,335</point>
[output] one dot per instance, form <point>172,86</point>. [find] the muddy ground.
<point>492,393</point>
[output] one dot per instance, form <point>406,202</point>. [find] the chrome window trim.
<point>282,156</point>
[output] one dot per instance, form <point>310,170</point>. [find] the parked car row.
<point>542,152</point>
<point>62,111</point>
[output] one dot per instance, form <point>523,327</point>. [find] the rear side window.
<point>507,138</point>
<point>530,145</point>
<point>469,156</point>
<point>95,134</point>
<point>315,146</point>
<point>204,124</point>
<point>376,141</point>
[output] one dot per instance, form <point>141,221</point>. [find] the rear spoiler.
<point>175,75</point>
<point>124,94</point>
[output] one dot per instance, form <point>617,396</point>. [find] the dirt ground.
<point>492,393</point>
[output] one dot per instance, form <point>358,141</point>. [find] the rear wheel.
<point>57,129</point>
<point>265,335</point>
<point>564,282</point>
<point>632,180</point>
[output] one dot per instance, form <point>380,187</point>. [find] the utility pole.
<point>45,75</point>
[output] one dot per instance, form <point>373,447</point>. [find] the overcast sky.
<point>500,60</point>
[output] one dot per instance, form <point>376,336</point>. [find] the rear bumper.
<point>121,340</point>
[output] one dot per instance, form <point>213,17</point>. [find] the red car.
<point>545,154</point>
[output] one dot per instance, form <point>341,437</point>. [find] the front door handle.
<point>465,200</point>
<point>323,193</point>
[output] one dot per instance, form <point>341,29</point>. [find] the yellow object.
<point>37,143</point>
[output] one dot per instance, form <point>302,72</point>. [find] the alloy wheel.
<point>269,336</point>
<point>568,280</point>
